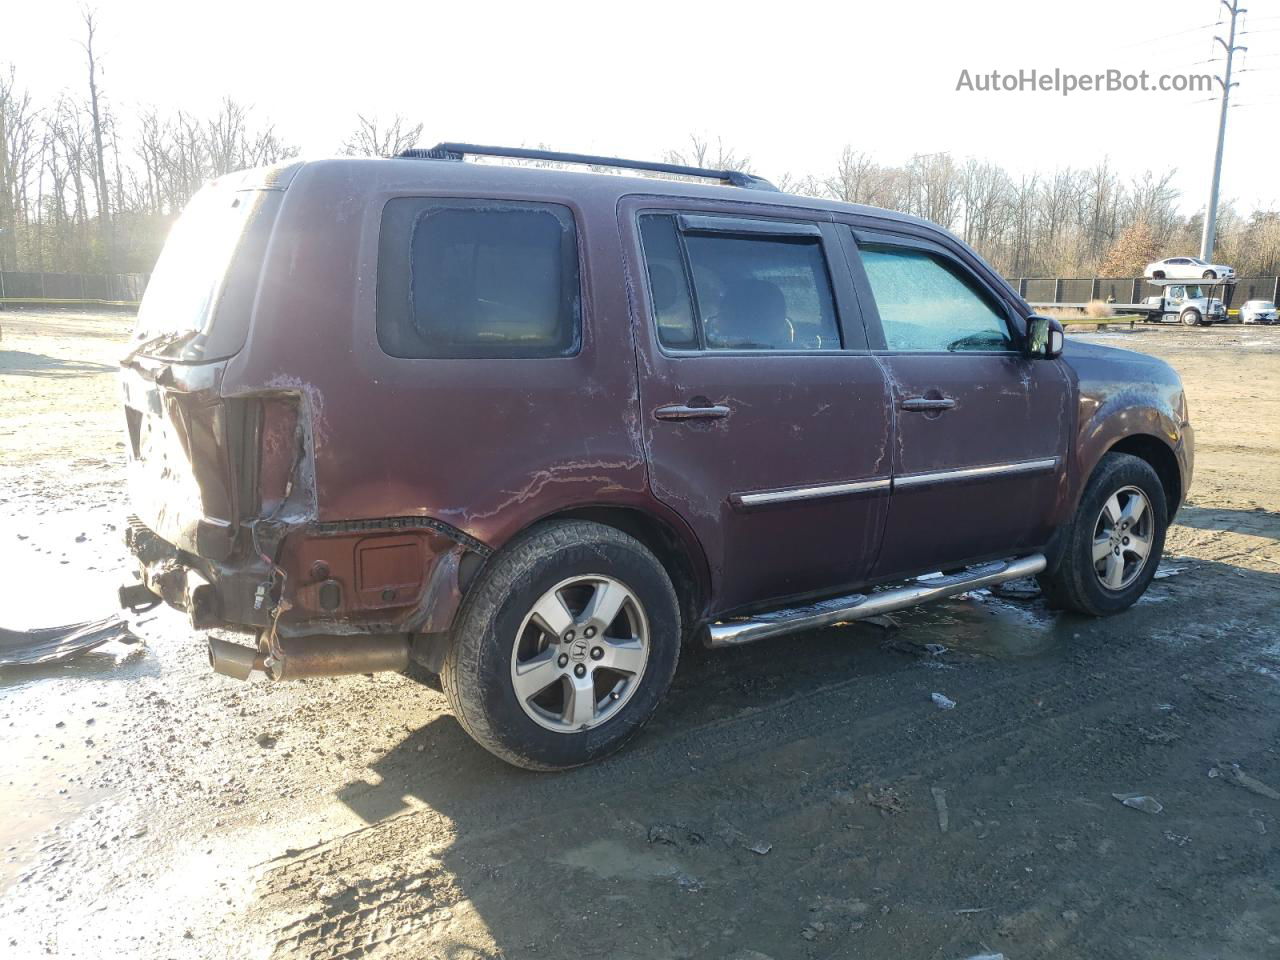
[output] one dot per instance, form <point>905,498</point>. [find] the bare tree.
<point>370,139</point>
<point>100,164</point>
<point>701,152</point>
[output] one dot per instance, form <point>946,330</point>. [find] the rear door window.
<point>714,289</point>
<point>928,304</point>
<point>478,279</point>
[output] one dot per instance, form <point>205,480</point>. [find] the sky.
<point>787,83</point>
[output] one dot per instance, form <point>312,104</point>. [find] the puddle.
<point>987,625</point>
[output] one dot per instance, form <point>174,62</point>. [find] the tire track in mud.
<point>397,882</point>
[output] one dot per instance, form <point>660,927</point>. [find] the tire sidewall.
<point>1190,318</point>
<point>1119,470</point>
<point>498,629</point>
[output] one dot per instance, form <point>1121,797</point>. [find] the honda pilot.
<point>533,429</point>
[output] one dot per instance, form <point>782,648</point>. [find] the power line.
<point>1168,36</point>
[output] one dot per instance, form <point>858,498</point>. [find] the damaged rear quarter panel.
<point>486,446</point>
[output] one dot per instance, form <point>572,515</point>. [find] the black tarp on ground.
<point>55,644</point>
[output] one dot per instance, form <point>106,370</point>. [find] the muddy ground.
<point>787,800</point>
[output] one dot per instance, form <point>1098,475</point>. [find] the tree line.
<point>86,189</point>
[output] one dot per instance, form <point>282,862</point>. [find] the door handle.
<point>683,411</point>
<point>927,404</point>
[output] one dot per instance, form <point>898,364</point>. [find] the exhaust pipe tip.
<point>234,659</point>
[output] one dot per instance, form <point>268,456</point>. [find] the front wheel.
<point>564,647</point>
<point>1112,546</point>
<point>1209,275</point>
<point>1190,317</point>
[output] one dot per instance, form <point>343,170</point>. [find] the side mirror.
<point>1045,337</point>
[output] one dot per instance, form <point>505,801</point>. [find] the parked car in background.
<point>1188,268</point>
<point>533,429</point>
<point>1258,311</point>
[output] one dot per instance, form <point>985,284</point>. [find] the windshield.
<point>179,304</point>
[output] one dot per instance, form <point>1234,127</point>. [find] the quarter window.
<point>727,292</point>
<point>926,304</point>
<point>477,279</point>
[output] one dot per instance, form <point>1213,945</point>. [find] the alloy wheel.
<point>580,653</point>
<point>1122,538</point>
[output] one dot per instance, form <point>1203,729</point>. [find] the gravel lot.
<point>800,798</point>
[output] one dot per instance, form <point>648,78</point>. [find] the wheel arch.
<point>1160,456</point>
<point>678,551</point>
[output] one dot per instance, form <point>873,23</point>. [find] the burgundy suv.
<point>533,428</point>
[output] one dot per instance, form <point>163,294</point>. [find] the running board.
<point>857,606</point>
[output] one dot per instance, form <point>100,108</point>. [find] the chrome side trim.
<point>971,473</point>
<point>857,606</point>
<point>808,493</point>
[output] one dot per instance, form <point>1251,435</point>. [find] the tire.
<point>502,633</point>
<point>1158,275</point>
<point>1208,275</point>
<point>1077,581</point>
<point>1190,317</point>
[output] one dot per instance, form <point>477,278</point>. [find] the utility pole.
<point>1211,212</point>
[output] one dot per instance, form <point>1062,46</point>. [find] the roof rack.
<point>456,151</point>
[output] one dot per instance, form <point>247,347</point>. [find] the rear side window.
<point>478,279</point>
<point>926,304</point>
<point>720,291</point>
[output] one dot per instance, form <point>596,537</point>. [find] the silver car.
<point>1258,311</point>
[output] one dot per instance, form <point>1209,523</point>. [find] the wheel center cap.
<point>578,651</point>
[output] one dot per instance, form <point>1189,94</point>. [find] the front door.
<point>982,428</point>
<point>764,416</point>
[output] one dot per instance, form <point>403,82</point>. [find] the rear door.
<point>982,429</point>
<point>764,416</point>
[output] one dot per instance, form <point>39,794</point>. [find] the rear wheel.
<point>1114,543</point>
<point>564,647</point>
<point>1158,275</point>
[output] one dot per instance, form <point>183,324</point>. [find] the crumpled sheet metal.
<point>56,644</point>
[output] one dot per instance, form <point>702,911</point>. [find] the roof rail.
<point>456,151</point>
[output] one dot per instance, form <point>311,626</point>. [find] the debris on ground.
<point>1165,571</point>
<point>886,800</point>
<point>935,649</point>
<point>1140,801</point>
<point>940,801</point>
<point>883,621</point>
<point>688,883</point>
<point>58,644</point>
<point>1232,773</point>
<point>760,847</point>
<point>944,702</point>
<point>675,835</point>
<point>1026,588</point>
